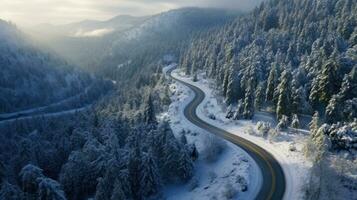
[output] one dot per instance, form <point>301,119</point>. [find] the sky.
<point>33,12</point>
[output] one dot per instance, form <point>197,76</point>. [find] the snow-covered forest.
<point>294,59</point>
<point>117,131</point>
<point>118,150</point>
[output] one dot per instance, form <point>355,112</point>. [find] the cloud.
<point>31,12</point>
<point>94,33</point>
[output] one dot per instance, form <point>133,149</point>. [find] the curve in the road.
<point>273,186</point>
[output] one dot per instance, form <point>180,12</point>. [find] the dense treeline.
<point>292,57</point>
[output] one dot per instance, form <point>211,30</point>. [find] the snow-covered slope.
<point>30,77</point>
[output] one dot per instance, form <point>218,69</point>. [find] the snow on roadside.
<point>212,180</point>
<point>294,164</point>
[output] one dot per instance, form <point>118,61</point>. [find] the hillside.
<point>30,77</point>
<point>296,60</point>
<point>82,42</point>
<point>288,56</point>
<point>162,34</point>
<point>93,45</point>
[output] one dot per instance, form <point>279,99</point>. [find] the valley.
<point>178,100</point>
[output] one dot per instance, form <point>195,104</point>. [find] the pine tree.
<point>315,123</point>
<point>334,110</point>
<point>296,97</point>
<point>183,139</point>
<point>49,189</point>
<point>329,81</point>
<point>233,89</point>
<point>118,192</point>
<point>104,188</point>
<point>284,102</point>
<point>295,122</point>
<point>29,178</point>
<point>225,83</point>
<point>150,179</point>
<point>185,166</point>
<point>149,112</point>
<point>283,122</point>
<point>349,86</point>
<point>194,67</point>
<point>314,93</point>
<point>320,141</point>
<point>134,168</point>
<point>195,78</point>
<point>272,82</point>
<point>259,96</point>
<point>249,93</point>
<point>193,152</point>
<point>249,103</point>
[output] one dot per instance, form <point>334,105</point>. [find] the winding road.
<point>273,185</point>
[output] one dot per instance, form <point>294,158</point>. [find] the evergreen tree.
<point>259,96</point>
<point>315,123</point>
<point>248,111</point>
<point>321,144</point>
<point>233,89</point>
<point>225,83</point>
<point>283,123</point>
<point>284,102</point>
<point>329,81</point>
<point>185,166</point>
<point>193,152</point>
<point>295,121</point>
<point>314,93</point>
<point>49,189</point>
<point>149,112</point>
<point>30,175</point>
<point>104,189</point>
<point>272,82</point>
<point>183,139</point>
<point>335,109</point>
<point>150,179</point>
<point>296,97</point>
<point>134,168</point>
<point>249,93</point>
<point>118,192</point>
<point>195,78</point>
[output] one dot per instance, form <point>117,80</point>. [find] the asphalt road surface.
<point>273,183</point>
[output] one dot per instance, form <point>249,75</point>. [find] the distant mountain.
<point>94,44</point>
<point>159,35</point>
<point>89,28</point>
<point>30,77</point>
<point>81,42</point>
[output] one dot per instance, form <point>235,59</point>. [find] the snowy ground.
<point>212,180</point>
<point>294,164</point>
